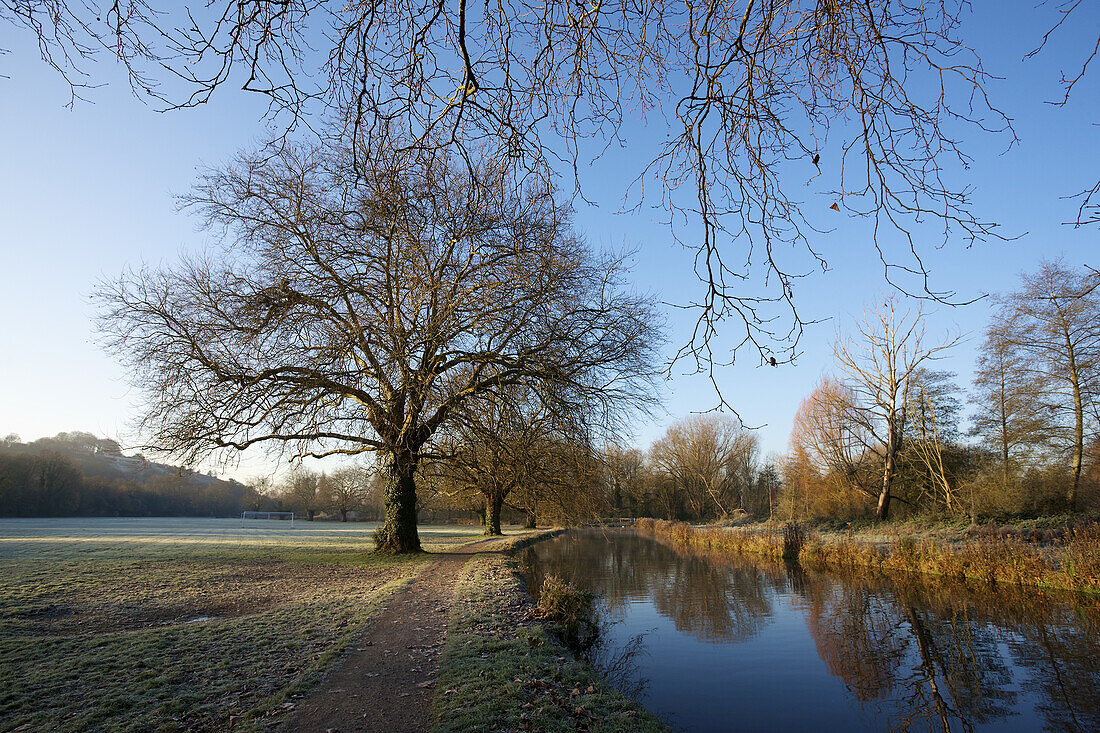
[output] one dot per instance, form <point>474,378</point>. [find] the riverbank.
<point>1060,559</point>
<point>502,670</point>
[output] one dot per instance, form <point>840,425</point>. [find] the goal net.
<point>271,516</point>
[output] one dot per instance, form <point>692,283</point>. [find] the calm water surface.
<point>718,644</point>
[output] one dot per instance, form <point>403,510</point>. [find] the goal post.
<point>272,516</point>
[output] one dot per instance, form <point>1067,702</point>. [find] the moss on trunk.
<point>398,532</point>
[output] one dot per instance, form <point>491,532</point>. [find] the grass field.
<point>180,624</point>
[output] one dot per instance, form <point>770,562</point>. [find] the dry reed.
<point>1069,561</point>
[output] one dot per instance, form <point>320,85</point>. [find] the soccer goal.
<point>275,516</point>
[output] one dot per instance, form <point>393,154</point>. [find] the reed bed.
<point>1070,561</point>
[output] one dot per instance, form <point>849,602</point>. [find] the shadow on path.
<point>387,680</point>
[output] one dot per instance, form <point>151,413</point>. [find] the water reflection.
<point>725,603</point>
<point>732,642</point>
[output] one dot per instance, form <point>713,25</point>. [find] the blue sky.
<point>89,191</point>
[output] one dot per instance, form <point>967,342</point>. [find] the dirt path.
<point>387,681</point>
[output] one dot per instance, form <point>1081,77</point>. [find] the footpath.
<point>387,681</point>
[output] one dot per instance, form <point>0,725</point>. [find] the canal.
<point>715,644</point>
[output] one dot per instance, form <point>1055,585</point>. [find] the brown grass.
<point>1070,561</point>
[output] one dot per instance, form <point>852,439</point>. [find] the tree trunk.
<point>398,532</point>
<point>343,515</point>
<point>1078,439</point>
<point>882,511</point>
<point>492,523</point>
<point>530,523</point>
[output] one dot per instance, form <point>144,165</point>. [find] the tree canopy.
<point>870,100</point>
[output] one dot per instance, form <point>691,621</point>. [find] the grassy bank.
<point>501,669</point>
<point>179,624</point>
<point>1063,559</point>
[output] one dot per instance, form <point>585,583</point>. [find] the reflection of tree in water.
<point>856,634</point>
<point>618,663</point>
<point>932,650</point>
<point>936,652</point>
<point>608,564</point>
<point>959,676</point>
<point>961,672</point>
<point>1060,648</point>
<point>711,601</point>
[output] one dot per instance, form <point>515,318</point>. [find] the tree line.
<point>885,435</point>
<point>78,474</point>
<point>886,430</point>
<point>704,468</point>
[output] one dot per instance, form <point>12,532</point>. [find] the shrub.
<point>794,537</point>
<point>570,611</point>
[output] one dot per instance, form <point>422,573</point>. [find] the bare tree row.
<point>888,425</point>
<point>705,467</point>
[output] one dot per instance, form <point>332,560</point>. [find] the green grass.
<point>180,624</point>
<point>501,670</point>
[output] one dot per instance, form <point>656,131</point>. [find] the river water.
<point>714,644</point>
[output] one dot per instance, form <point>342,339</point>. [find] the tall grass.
<point>1069,561</point>
<point>570,611</point>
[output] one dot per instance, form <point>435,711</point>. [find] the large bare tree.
<point>351,309</point>
<point>867,98</point>
<point>880,361</point>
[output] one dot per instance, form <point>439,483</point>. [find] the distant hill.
<point>78,474</point>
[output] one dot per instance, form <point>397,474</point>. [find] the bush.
<point>570,611</point>
<point>794,537</point>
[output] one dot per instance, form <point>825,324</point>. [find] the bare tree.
<point>1051,325</point>
<point>346,489</point>
<point>526,448</point>
<point>932,420</point>
<point>301,490</point>
<point>711,459</point>
<point>879,362</point>
<point>755,93</point>
<point>1008,416</point>
<point>495,449</point>
<point>572,492</point>
<point>829,433</point>
<point>356,311</point>
<point>625,480</point>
